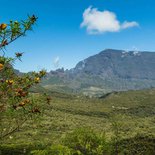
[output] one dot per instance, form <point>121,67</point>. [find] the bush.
<point>54,150</point>
<point>138,145</point>
<point>16,104</point>
<point>82,141</point>
<point>86,142</point>
<point>19,149</point>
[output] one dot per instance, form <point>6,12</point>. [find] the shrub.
<point>138,145</point>
<point>82,141</point>
<point>86,142</point>
<point>19,149</point>
<point>16,105</point>
<point>54,150</point>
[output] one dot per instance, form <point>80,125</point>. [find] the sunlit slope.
<point>133,110</point>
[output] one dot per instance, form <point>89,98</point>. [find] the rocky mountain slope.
<point>109,70</point>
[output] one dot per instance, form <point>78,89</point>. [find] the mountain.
<point>119,63</point>
<point>109,70</point>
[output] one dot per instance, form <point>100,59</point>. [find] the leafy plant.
<point>16,103</point>
<point>55,150</point>
<point>86,142</point>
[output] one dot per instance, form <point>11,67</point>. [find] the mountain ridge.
<point>109,70</point>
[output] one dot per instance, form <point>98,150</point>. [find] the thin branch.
<point>12,131</point>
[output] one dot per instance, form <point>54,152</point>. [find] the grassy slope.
<point>133,110</point>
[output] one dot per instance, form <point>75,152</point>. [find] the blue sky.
<point>72,30</point>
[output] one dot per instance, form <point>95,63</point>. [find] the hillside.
<point>109,70</point>
<point>134,111</point>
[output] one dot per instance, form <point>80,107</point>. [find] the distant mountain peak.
<point>109,70</point>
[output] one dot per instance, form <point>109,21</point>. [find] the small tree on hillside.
<point>16,104</point>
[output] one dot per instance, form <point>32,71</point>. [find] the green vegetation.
<point>17,105</point>
<point>116,123</point>
<point>122,121</point>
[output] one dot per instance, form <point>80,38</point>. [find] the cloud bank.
<point>98,22</point>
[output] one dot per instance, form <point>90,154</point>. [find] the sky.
<point>70,31</point>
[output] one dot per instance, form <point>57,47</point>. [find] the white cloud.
<point>56,62</point>
<point>126,24</point>
<point>97,22</point>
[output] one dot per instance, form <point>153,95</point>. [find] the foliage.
<point>15,102</point>
<point>85,141</point>
<point>82,141</point>
<point>54,150</point>
<point>138,145</point>
<point>116,136</point>
<point>19,149</point>
<point>69,112</point>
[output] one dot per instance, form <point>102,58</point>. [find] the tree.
<point>16,103</point>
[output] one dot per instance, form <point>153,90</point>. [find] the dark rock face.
<point>109,70</point>
<point>119,63</point>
